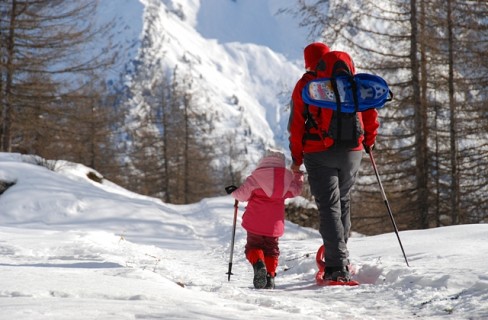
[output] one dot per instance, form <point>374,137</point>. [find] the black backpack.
<point>344,128</point>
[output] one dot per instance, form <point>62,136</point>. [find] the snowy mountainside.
<point>243,83</point>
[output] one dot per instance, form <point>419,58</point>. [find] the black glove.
<point>230,189</point>
<point>368,148</point>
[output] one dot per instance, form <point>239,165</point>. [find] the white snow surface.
<point>72,248</point>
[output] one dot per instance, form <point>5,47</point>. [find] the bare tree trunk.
<point>7,106</point>
<point>186,143</point>
<point>424,116</point>
<point>165,110</point>
<point>421,169</point>
<point>455,213</point>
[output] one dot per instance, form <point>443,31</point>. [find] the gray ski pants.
<point>331,175</point>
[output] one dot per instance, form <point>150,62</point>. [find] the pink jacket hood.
<point>266,173</point>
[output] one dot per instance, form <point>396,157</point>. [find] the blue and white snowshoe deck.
<point>372,92</point>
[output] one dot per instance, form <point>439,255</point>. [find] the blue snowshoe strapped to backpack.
<point>334,100</point>
<point>371,91</point>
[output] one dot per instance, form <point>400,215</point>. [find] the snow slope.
<point>71,248</point>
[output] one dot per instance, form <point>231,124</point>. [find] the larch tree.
<point>43,74</point>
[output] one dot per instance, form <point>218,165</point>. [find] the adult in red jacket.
<point>331,168</point>
<point>265,190</point>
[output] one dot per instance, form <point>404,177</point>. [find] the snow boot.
<point>333,276</point>
<point>270,281</point>
<point>260,273</point>
<point>256,258</point>
<point>271,265</point>
<point>340,274</point>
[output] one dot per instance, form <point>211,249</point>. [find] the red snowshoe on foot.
<point>320,278</point>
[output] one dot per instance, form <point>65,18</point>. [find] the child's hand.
<point>295,168</point>
<point>230,189</point>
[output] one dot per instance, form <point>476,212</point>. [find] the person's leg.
<point>348,170</point>
<point>255,255</point>
<point>271,255</point>
<point>347,163</point>
<point>254,248</point>
<point>323,177</point>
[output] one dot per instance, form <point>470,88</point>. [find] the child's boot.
<point>270,281</point>
<point>271,265</point>
<point>256,258</point>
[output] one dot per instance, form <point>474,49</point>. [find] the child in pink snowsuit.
<point>265,190</point>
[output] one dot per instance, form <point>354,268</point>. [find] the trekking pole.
<point>236,206</point>
<point>387,204</point>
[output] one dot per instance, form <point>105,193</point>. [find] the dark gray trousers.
<point>331,175</point>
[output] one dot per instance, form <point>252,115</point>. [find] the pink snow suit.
<point>265,190</point>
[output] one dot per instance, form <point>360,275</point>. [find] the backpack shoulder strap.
<point>310,122</point>
<point>354,87</point>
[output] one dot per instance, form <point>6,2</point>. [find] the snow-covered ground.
<point>71,248</point>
